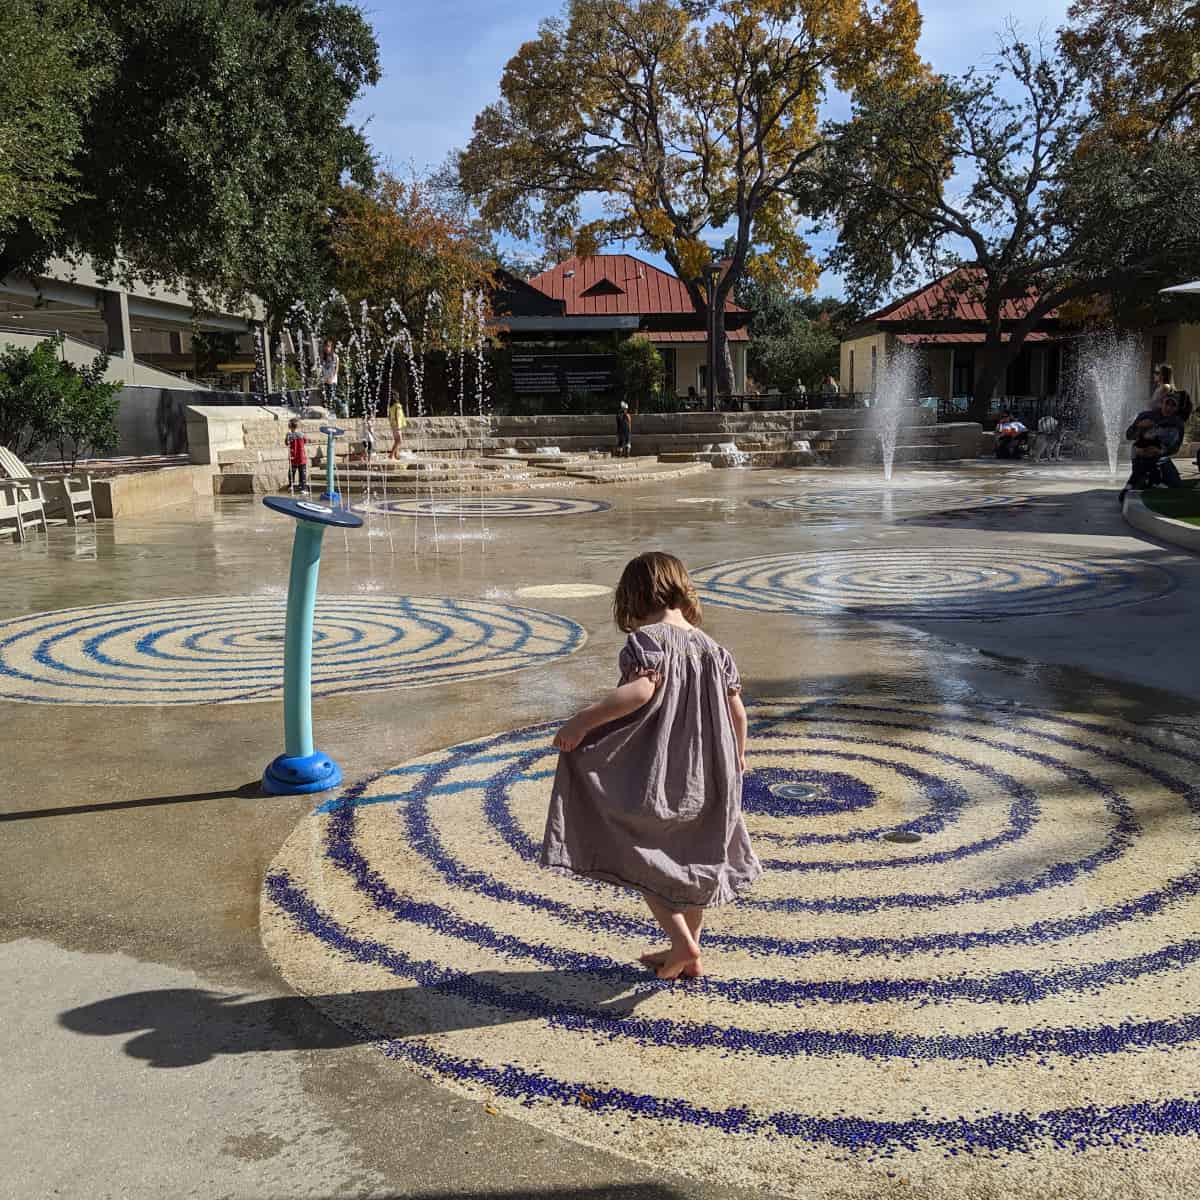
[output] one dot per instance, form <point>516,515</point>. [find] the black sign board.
<point>563,373</point>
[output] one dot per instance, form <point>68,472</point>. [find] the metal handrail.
<point>74,337</point>
<point>50,333</point>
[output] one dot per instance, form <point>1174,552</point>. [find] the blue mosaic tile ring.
<point>886,502</point>
<point>1005,991</point>
<point>485,507</point>
<point>222,649</point>
<point>946,583</point>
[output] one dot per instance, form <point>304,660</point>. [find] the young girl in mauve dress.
<point>649,783</point>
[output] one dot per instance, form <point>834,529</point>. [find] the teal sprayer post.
<point>331,493</point>
<point>301,768</point>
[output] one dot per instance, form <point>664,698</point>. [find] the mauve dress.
<point>653,800</point>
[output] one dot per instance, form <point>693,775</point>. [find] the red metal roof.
<point>954,297</point>
<point>645,290</point>
<point>960,339</point>
<point>691,335</point>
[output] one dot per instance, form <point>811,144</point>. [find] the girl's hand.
<point>570,735</point>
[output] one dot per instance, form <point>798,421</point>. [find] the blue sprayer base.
<point>296,776</point>
<point>332,497</point>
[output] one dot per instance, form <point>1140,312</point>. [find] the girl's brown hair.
<point>651,582</point>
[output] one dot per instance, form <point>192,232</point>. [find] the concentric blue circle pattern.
<point>885,502</point>
<point>1017,990</point>
<point>932,584</point>
<point>486,506</point>
<point>221,649</point>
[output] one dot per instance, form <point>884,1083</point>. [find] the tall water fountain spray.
<point>895,389</point>
<point>1110,372</point>
<point>375,343</point>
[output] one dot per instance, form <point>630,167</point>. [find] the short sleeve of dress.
<point>640,656</point>
<point>733,681</point>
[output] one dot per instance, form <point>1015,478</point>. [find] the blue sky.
<point>442,62</point>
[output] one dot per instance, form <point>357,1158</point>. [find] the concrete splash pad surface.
<point>945,585</point>
<point>1007,994</point>
<point>133,832</point>
<point>228,649</point>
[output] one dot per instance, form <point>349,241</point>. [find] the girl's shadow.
<point>181,1027</point>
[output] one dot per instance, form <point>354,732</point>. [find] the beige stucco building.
<point>946,324</point>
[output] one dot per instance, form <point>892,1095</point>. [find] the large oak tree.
<point>691,122</point>
<point>1007,173</point>
<point>1142,62</point>
<point>209,152</point>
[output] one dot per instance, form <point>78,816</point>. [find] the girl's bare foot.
<point>656,959</point>
<point>689,966</point>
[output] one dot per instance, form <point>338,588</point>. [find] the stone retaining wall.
<point>149,491</point>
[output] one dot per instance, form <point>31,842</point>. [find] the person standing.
<point>1164,382</point>
<point>329,374</point>
<point>648,790</point>
<point>297,447</point>
<point>397,420</point>
<point>829,387</point>
<point>624,431</point>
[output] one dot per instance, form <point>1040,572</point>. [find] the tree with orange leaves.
<point>1142,60</point>
<point>692,119</point>
<point>405,241</point>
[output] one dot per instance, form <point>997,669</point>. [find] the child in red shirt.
<point>297,455</point>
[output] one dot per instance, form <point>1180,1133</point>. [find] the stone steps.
<point>355,481</point>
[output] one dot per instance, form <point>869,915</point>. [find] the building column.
<point>115,310</point>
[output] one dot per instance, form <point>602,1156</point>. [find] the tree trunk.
<point>724,363</point>
<point>990,373</point>
<point>996,354</point>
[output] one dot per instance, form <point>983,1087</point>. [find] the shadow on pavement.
<point>245,792</point>
<point>182,1027</point>
<point>632,1191</point>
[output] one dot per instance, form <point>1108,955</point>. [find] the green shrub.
<point>45,401</point>
<point>639,371</point>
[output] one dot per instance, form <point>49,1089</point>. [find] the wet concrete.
<point>134,840</point>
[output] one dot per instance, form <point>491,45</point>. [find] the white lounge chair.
<point>11,467</point>
<point>22,503</point>
<point>71,493</point>
<point>10,517</point>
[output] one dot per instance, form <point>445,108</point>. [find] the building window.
<point>963,383</point>
<point>874,367</point>
<point>669,368</point>
<point>1158,352</point>
<point>1053,369</point>
<point>1017,377</point>
<point>852,372</point>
